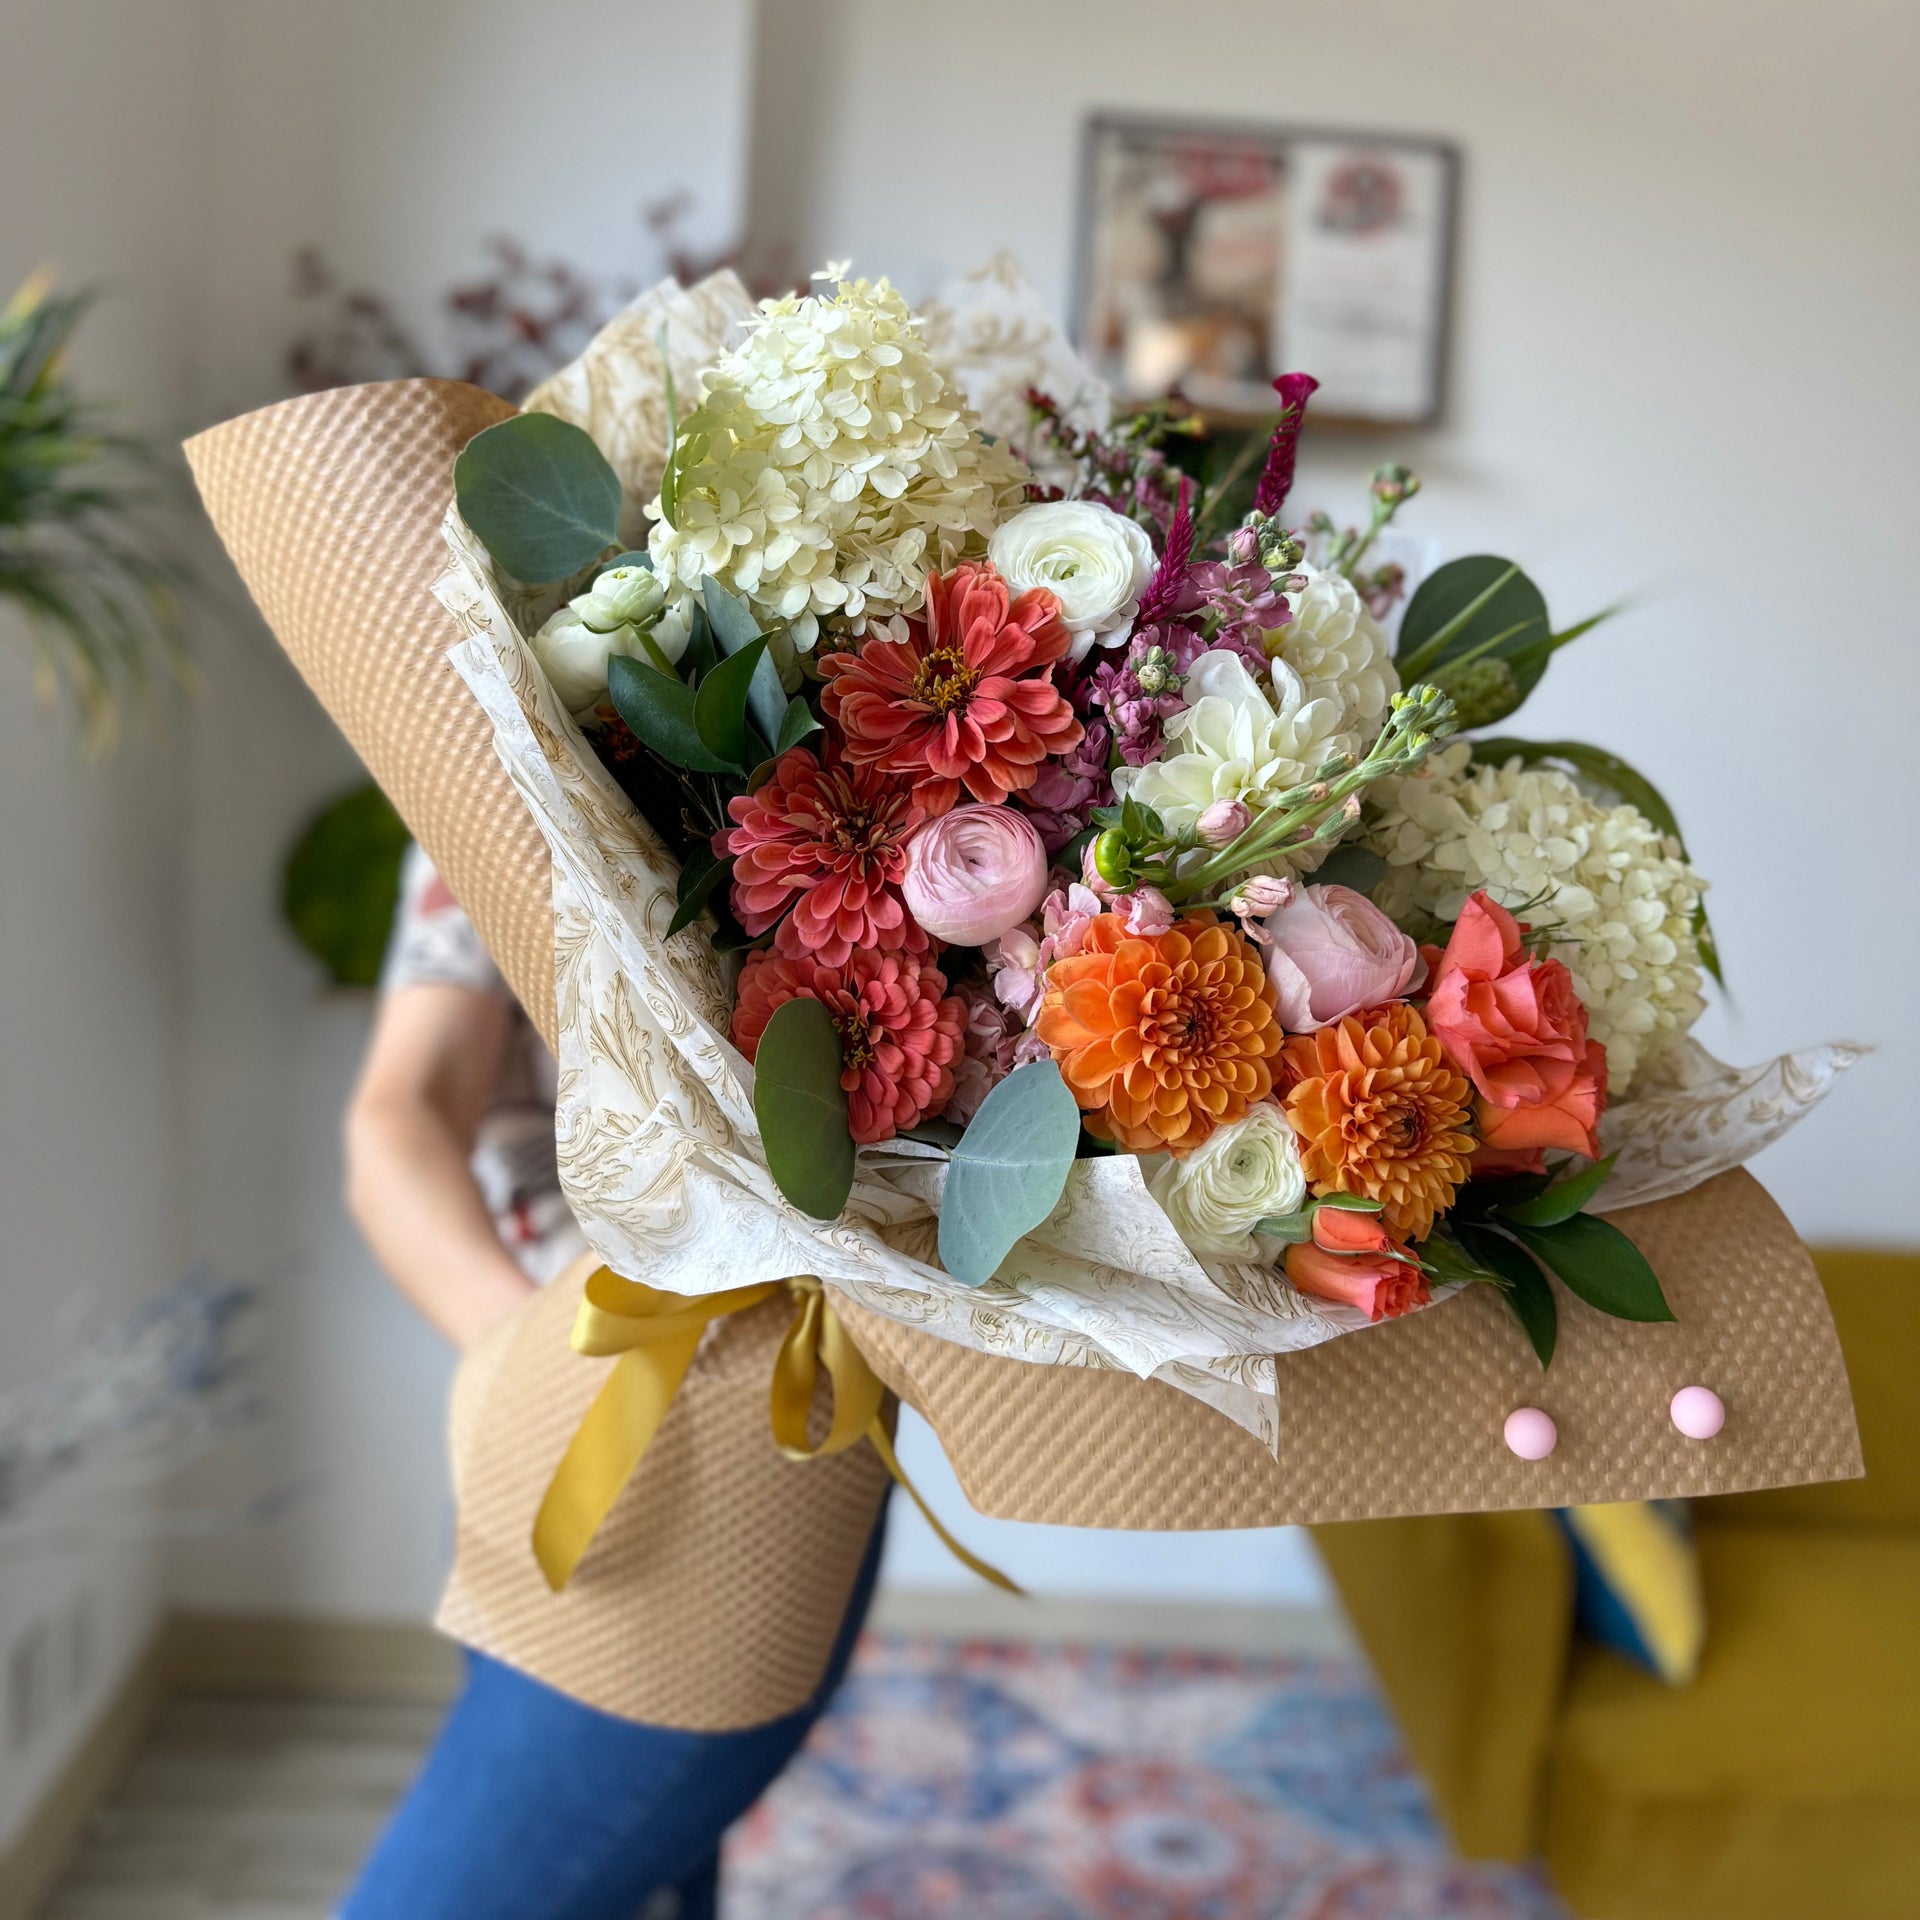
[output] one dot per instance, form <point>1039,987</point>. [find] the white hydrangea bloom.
<point>1616,891</point>
<point>1233,742</point>
<point>1341,651</point>
<point>830,466</point>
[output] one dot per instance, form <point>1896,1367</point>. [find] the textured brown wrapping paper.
<point>712,1596</point>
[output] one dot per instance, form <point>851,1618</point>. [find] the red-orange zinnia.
<point>1161,1037</point>
<point>1380,1111</point>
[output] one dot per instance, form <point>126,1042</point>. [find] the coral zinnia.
<point>831,842</point>
<point>1161,1037</point>
<point>965,698</point>
<point>900,1030</point>
<point>1381,1113</point>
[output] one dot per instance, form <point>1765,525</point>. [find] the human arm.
<point>434,1060</point>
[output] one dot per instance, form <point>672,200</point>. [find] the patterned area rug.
<point>1004,1782</point>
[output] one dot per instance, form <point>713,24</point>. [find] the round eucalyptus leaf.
<point>541,496</point>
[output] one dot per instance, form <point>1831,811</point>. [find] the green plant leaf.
<point>698,878</point>
<point>701,654</point>
<point>1600,1265</point>
<point>1347,1203</point>
<point>1522,1285</point>
<point>658,707</point>
<point>1350,865</point>
<point>540,495</point>
<point>633,557</point>
<point>1476,608</point>
<point>795,725</point>
<point>720,706</point>
<point>1560,1202</point>
<point>735,627</point>
<point>342,882</point>
<point>670,476</point>
<point>802,1108</point>
<point>1626,783</point>
<point>1008,1171</point>
<point>1295,1229</point>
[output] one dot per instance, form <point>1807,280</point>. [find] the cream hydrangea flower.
<point>1337,647</point>
<point>1233,742</point>
<point>1246,1171</point>
<point>830,466</point>
<point>1616,892</point>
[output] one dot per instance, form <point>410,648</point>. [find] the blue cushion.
<point>1637,1583</point>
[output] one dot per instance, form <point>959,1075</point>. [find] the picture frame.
<point>1214,255</point>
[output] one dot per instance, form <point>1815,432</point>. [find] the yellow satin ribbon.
<point>656,1335</point>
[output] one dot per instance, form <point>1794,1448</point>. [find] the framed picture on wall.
<point>1215,256</point>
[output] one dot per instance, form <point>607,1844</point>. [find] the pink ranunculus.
<point>1332,952</point>
<point>974,873</point>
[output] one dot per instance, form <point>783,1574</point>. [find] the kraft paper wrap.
<point>713,1593</point>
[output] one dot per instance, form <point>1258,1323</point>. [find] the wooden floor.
<point>246,1810</point>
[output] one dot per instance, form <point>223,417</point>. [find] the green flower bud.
<point>1113,858</point>
<point>1482,691</point>
<point>621,597</point>
<point>1394,483</point>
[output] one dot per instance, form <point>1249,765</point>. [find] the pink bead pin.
<point>1530,1433</point>
<point>1698,1412</point>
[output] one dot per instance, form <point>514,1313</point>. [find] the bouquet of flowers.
<point>1060,833</point>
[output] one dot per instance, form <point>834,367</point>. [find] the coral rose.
<point>830,841</point>
<point>1161,1037</point>
<point>900,1030</point>
<point>1331,951</point>
<point>1353,1261</point>
<point>1516,1028</point>
<point>967,698</point>
<point>1381,1113</point>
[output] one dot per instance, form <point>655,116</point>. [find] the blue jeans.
<point>534,1807</point>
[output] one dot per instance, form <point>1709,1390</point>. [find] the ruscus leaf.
<point>540,495</point>
<point>1599,1265</point>
<point>1523,1286</point>
<point>795,725</point>
<point>658,707</point>
<point>720,705</point>
<point>1560,1202</point>
<point>1009,1170</point>
<point>802,1108</point>
<point>735,627</point>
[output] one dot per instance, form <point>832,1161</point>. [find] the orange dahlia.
<point>1381,1112</point>
<point>1162,1037</point>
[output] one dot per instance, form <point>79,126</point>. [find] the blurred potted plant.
<point>76,556</point>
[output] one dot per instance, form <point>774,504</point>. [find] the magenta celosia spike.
<point>1276,480</point>
<point>1163,590</point>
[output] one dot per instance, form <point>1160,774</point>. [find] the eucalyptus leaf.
<point>802,1108</point>
<point>1600,1265</point>
<point>633,557</point>
<point>1560,1202</point>
<point>1522,1285</point>
<point>720,706</point>
<point>1009,1170</point>
<point>1476,608</point>
<point>540,495</point>
<point>736,627</point>
<point>658,707</point>
<point>1350,865</point>
<point>797,723</point>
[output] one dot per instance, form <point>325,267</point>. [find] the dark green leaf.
<point>1522,1284</point>
<point>698,878</point>
<point>720,706</point>
<point>342,880</point>
<point>1562,1202</point>
<point>670,477</point>
<point>797,723</point>
<point>541,496</point>
<point>1008,1171</point>
<point>934,1133</point>
<point>1476,608</point>
<point>701,653</point>
<point>658,707</point>
<point>736,627</point>
<point>1446,1258</point>
<point>1600,1265</point>
<point>802,1108</point>
<point>1352,866</point>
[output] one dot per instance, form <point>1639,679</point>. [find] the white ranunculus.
<point>1094,561</point>
<point>1245,1171</point>
<point>1231,742</point>
<point>573,648</point>
<point>1340,651</point>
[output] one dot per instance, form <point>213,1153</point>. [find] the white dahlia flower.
<point>1615,892</point>
<point>1233,742</point>
<point>1094,561</point>
<point>1341,651</point>
<point>830,466</point>
<point>1246,1171</point>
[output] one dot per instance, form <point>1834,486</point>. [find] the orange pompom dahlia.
<point>1162,1037</point>
<point>1381,1112</point>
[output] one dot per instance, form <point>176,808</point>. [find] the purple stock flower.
<point>1066,791</point>
<point>1246,602</point>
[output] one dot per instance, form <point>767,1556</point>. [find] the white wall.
<point>90,856</point>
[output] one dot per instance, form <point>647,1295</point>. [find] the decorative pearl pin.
<point>1698,1412</point>
<point>1530,1433</point>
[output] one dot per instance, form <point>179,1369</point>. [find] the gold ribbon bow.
<point>656,1335</point>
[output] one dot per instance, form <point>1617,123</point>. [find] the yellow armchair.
<point>1784,1783</point>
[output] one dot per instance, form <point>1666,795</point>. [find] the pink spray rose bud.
<point>1331,951</point>
<point>1224,822</point>
<point>974,873</point>
<point>1259,895</point>
<point>1148,911</point>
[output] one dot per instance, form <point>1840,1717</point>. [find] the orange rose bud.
<point>1354,1262</point>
